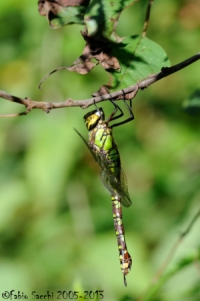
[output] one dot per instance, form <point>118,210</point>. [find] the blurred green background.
<point>56,227</point>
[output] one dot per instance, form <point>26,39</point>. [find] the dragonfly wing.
<point>115,186</point>
<point>88,146</point>
<point>126,201</point>
<point>106,181</point>
<point>120,187</point>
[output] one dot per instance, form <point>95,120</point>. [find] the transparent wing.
<point>88,146</point>
<point>126,201</point>
<point>106,181</point>
<point>115,186</point>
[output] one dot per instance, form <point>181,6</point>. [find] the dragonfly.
<point>105,152</point>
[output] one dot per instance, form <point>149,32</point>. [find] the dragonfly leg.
<point>128,119</point>
<point>100,110</point>
<point>112,116</point>
<point>129,107</point>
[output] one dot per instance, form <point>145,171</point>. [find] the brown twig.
<point>48,106</point>
<point>170,255</point>
<point>146,23</point>
<point>14,115</point>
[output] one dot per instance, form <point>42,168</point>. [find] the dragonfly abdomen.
<point>124,256</point>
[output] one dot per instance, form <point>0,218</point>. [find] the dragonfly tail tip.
<point>125,282</point>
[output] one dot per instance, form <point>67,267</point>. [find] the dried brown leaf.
<point>82,68</point>
<point>54,6</point>
<point>94,50</point>
<point>107,61</point>
<point>102,91</point>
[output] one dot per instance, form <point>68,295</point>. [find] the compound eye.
<point>92,121</point>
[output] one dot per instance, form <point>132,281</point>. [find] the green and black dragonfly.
<point>104,150</point>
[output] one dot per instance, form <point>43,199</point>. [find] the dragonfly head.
<point>92,118</point>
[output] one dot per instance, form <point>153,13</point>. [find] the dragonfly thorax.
<point>92,118</point>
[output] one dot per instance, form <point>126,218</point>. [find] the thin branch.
<point>14,115</point>
<point>146,23</point>
<point>169,257</point>
<point>48,106</point>
<point>197,264</point>
<point>174,248</point>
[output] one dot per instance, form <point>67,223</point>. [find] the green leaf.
<point>138,58</point>
<point>102,17</point>
<point>192,104</point>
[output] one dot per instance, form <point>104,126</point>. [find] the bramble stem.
<point>48,106</point>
